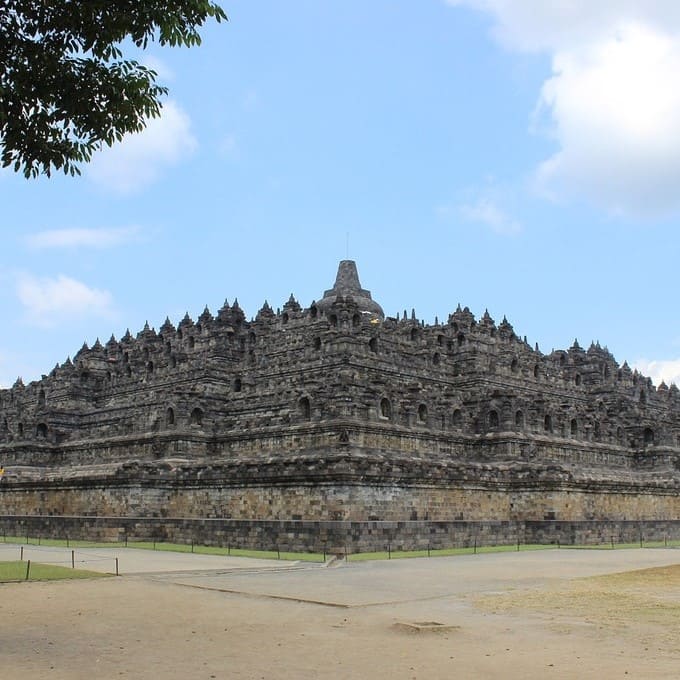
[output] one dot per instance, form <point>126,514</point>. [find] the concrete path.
<point>354,584</point>
<point>408,580</point>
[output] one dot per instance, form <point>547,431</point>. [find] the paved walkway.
<point>408,580</point>
<point>354,584</point>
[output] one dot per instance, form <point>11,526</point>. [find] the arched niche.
<point>305,408</point>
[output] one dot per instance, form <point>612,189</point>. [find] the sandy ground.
<point>547,614</point>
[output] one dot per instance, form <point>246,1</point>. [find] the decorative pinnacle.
<point>347,285</point>
<point>347,279</point>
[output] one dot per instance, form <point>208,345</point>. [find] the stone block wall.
<point>335,501</point>
<point>337,537</point>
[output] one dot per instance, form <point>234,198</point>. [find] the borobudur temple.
<point>332,423</point>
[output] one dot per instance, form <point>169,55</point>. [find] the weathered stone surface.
<point>340,536</point>
<point>334,412</point>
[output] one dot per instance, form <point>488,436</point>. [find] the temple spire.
<point>347,285</point>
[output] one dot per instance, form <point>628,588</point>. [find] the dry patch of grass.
<point>645,601</point>
<point>663,579</point>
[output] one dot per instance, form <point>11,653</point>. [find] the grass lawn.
<point>16,571</point>
<point>443,552</point>
<point>171,547</point>
<point>235,552</point>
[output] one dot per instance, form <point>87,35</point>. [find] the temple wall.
<point>198,444</point>
<point>335,502</point>
<point>340,536</point>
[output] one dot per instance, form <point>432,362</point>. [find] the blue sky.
<point>505,154</point>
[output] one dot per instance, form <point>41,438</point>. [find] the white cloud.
<point>139,159</point>
<point>486,211</point>
<point>47,301</point>
<point>660,370</point>
<point>558,25</point>
<point>163,71</point>
<point>85,238</point>
<point>612,103</point>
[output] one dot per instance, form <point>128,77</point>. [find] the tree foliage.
<point>66,88</point>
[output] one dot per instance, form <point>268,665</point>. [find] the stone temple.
<point>334,423</point>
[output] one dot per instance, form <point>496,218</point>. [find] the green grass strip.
<point>624,546</point>
<point>444,552</point>
<point>62,542</point>
<point>16,571</point>
<point>234,552</point>
<point>319,557</point>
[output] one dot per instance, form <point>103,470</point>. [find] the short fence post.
<point>116,566</point>
<point>22,554</point>
<point>640,539</point>
<point>278,552</point>
<point>389,551</point>
<point>73,559</point>
<point>28,568</point>
<point>474,550</point>
<point>612,543</point>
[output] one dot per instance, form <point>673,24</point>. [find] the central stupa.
<point>347,285</point>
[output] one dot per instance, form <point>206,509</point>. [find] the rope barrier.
<point>43,549</point>
<point>40,548</point>
<point>46,555</point>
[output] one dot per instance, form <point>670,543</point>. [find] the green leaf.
<point>65,86</point>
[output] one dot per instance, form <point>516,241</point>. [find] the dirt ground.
<point>553,614</point>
